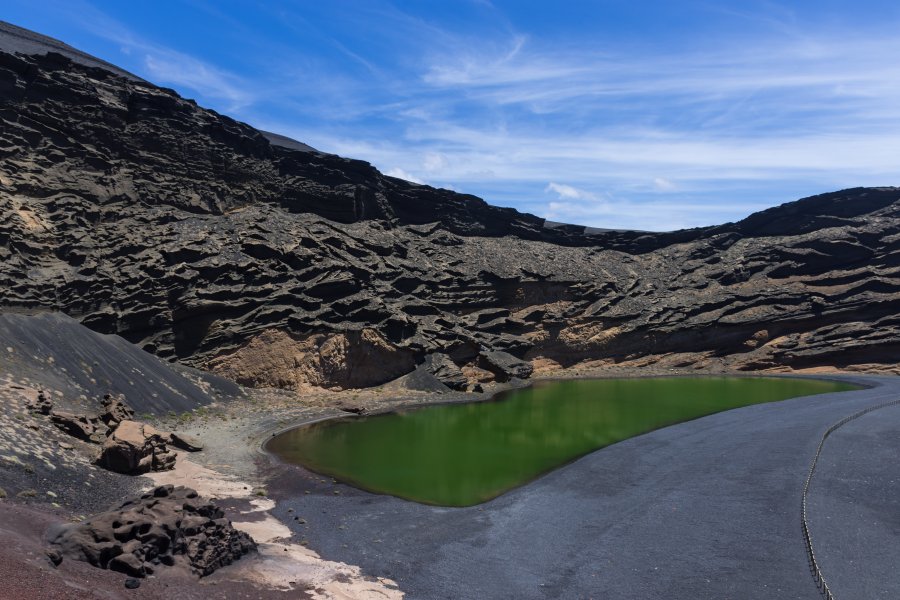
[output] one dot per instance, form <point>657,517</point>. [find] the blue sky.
<point>612,113</point>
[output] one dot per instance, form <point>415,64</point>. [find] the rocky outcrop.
<point>134,448</point>
<point>115,410</point>
<point>85,428</point>
<point>505,366</point>
<point>446,371</point>
<point>129,447</point>
<point>89,428</point>
<point>192,235</point>
<point>342,360</point>
<point>167,526</point>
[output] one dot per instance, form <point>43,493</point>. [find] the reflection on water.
<point>463,454</point>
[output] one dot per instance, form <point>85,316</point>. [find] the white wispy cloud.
<point>644,136</point>
<point>434,162</point>
<point>568,192</point>
<point>664,185</point>
<point>161,64</point>
<point>815,114</point>
<point>401,174</point>
<point>655,216</point>
<point>174,68</point>
<point>816,71</point>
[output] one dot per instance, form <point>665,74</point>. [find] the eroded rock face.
<point>134,448</point>
<point>164,527</point>
<point>343,360</point>
<point>193,236</point>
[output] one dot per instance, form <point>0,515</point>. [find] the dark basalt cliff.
<point>204,240</point>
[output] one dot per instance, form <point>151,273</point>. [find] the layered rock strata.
<point>188,233</point>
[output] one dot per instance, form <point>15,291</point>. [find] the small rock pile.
<point>127,446</point>
<point>94,429</point>
<point>164,527</point>
<point>43,405</point>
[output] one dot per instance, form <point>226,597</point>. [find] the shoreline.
<point>331,541</point>
<point>502,390</point>
<point>321,537</point>
<point>280,563</point>
<point>501,395</point>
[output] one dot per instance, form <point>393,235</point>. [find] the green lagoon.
<point>464,454</point>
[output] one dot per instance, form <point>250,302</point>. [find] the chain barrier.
<point>814,568</point>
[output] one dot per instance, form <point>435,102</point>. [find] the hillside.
<point>205,241</point>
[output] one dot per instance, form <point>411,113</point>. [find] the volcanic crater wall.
<point>194,236</point>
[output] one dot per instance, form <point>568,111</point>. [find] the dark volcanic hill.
<point>204,240</point>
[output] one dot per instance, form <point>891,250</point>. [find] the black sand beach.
<point>705,509</point>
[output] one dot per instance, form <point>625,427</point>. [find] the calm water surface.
<point>463,454</point>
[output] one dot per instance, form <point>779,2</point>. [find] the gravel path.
<point>704,509</point>
<point>854,506</point>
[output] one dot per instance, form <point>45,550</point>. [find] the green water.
<point>463,454</point>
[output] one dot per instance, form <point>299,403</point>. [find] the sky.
<point>653,115</point>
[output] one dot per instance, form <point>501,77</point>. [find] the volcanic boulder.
<point>166,526</point>
<point>129,447</point>
<point>505,366</point>
<point>185,441</point>
<point>134,448</point>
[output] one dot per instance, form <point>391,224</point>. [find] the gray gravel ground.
<point>854,507</point>
<point>705,509</point>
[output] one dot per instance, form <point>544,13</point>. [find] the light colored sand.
<point>207,482</point>
<point>279,564</point>
<point>291,566</point>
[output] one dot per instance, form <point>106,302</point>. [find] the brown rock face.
<point>134,448</point>
<point>164,527</point>
<point>344,360</point>
<point>190,234</point>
